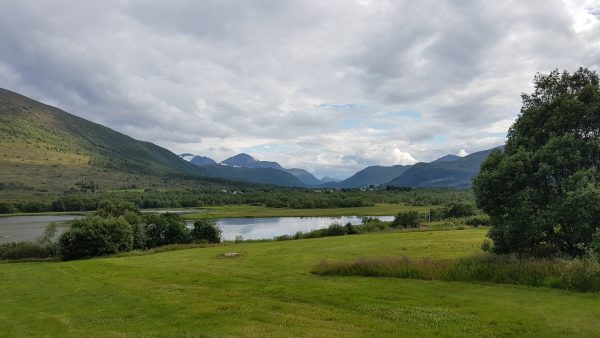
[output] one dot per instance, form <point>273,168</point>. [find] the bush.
<point>458,209</point>
<point>206,231</point>
<point>282,238</point>
<point>109,208</point>
<point>478,220</point>
<point>140,237</point>
<point>95,236</point>
<point>407,219</point>
<point>335,229</point>
<point>594,246</point>
<point>7,208</point>
<point>28,250</point>
<point>164,229</point>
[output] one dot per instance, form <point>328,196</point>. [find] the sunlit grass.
<point>268,290</point>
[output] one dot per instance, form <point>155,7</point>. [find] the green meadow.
<point>269,290</point>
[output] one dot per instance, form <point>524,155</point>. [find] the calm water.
<point>28,228</point>
<point>266,228</point>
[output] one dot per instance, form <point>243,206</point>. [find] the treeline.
<point>278,198</point>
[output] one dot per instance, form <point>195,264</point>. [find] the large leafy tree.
<point>542,191</point>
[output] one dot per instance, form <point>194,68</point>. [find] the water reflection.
<point>28,228</point>
<point>266,228</point>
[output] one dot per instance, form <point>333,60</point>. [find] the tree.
<point>206,231</point>
<point>542,191</point>
<point>459,209</point>
<point>109,208</point>
<point>406,219</point>
<point>96,236</point>
<point>164,229</point>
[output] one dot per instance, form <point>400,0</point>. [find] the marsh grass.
<point>28,251</point>
<point>579,274</point>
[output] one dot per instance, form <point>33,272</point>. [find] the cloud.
<point>331,86</point>
<point>462,153</point>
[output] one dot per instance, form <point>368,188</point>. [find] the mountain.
<point>447,158</point>
<point>457,173</point>
<point>328,179</point>
<point>45,147</point>
<point>49,149</point>
<point>374,175</point>
<point>197,159</point>
<point>202,160</point>
<point>304,176</point>
<point>255,175</point>
<point>246,161</point>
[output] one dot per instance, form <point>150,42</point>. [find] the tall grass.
<point>579,274</point>
<point>28,251</point>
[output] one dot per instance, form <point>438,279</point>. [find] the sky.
<point>328,86</point>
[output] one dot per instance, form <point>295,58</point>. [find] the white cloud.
<point>324,83</point>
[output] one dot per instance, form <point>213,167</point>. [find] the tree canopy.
<point>542,190</point>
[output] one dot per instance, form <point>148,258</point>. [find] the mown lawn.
<point>379,209</point>
<point>269,291</point>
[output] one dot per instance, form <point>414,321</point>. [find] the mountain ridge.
<point>456,173</point>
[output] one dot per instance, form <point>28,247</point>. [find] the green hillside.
<point>49,149</point>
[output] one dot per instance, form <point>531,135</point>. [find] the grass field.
<point>269,291</point>
<point>260,211</point>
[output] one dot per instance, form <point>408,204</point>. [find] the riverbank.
<point>251,211</point>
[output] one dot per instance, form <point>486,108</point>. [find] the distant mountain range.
<point>49,149</point>
<point>246,161</point>
<point>449,171</point>
<point>328,179</point>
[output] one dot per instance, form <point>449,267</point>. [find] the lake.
<point>28,228</point>
<point>269,227</point>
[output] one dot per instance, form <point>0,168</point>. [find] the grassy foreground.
<point>226,211</point>
<point>269,291</point>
